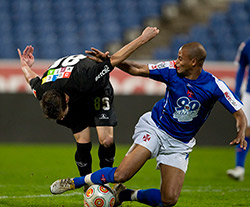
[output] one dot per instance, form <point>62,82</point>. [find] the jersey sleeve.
<point>161,71</point>
<point>227,98</point>
<point>36,87</point>
<point>98,71</point>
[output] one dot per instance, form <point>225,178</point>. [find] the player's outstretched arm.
<point>130,67</point>
<point>122,54</point>
<point>134,68</point>
<point>118,58</point>
<point>27,60</point>
<point>241,123</point>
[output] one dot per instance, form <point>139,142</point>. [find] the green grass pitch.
<point>27,170</point>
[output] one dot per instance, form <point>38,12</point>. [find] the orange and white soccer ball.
<point>99,196</point>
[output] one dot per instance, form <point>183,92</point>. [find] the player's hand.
<point>97,55</point>
<point>27,57</point>
<point>241,141</point>
<point>149,33</point>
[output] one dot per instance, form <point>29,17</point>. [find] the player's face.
<point>183,63</point>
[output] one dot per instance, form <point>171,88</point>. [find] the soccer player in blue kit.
<point>243,59</point>
<point>167,132</point>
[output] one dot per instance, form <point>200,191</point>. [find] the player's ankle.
<point>134,195</point>
<point>127,195</point>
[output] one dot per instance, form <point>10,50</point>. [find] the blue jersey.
<point>188,103</point>
<point>243,59</point>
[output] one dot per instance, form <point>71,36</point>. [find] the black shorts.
<point>91,111</point>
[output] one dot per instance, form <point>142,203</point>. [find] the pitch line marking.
<point>41,196</point>
<point>79,193</point>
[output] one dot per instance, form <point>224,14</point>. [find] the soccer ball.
<point>99,196</point>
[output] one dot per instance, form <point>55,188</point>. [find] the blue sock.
<point>150,197</point>
<point>79,181</point>
<point>241,154</point>
<point>102,176</point>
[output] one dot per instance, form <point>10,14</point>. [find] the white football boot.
<point>60,186</point>
<point>237,173</point>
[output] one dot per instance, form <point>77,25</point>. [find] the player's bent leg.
<point>105,135</point>
<point>106,151</point>
<point>102,176</point>
<point>83,157</point>
<point>131,163</point>
<point>171,185</point>
<point>167,196</point>
<point>106,155</point>
<point>172,181</point>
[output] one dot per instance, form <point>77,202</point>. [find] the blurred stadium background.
<point>62,27</point>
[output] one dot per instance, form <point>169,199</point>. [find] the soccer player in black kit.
<point>76,92</point>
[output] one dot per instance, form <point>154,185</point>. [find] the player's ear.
<point>194,62</point>
<point>66,98</point>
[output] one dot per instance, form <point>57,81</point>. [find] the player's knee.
<point>121,177</point>
<point>107,142</point>
<point>170,199</point>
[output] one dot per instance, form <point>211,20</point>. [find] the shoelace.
<point>65,182</point>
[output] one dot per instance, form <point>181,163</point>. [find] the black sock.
<point>125,195</point>
<point>106,155</point>
<point>83,158</point>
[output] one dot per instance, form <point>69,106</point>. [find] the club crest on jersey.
<point>186,110</point>
<point>190,93</point>
<point>146,138</point>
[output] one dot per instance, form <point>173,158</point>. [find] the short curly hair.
<point>53,104</point>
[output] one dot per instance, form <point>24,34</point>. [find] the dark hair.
<point>196,50</point>
<point>53,103</point>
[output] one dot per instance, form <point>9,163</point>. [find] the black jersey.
<point>87,84</point>
<point>75,75</point>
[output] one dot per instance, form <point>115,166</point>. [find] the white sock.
<point>134,195</point>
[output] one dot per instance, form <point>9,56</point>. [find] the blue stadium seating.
<point>60,27</point>
<point>221,36</point>
<point>164,54</point>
